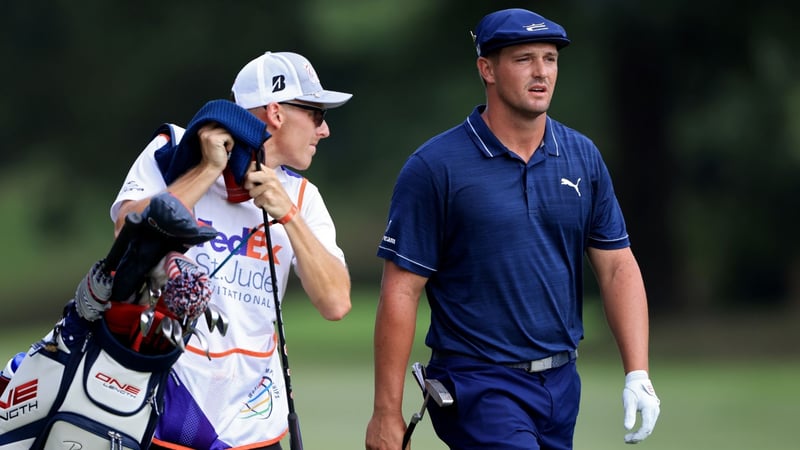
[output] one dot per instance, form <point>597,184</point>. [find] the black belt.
<point>538,365</point>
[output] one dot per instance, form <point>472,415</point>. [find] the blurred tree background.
<point>695,105</point>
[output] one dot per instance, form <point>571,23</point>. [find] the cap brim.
<point>497,45</point>
<point>328,99</point>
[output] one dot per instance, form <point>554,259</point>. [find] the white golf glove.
<point>639,395</point>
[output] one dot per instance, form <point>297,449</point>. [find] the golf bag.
<point>82,385</point>
<point>97,379</point>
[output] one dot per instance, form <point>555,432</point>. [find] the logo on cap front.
<point>535,27</point>
<point>278,83</point>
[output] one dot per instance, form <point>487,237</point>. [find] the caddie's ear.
<point>272,115</point>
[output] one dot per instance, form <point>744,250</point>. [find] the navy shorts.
<point>502,408</point>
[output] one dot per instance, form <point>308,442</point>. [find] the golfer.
<point>492,220</point>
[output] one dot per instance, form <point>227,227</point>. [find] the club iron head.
<point>151,295</point>
<point>212,317</point>
<point>222,322</point>
<point>177,334</point>
<point>166,329</point>
<point>202,342</point>
<point>146,321</point>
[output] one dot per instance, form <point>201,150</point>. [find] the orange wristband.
<point>289,215</point>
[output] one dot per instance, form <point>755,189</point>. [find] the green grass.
<point>706,403</point>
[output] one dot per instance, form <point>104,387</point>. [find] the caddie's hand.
<point>215,145</point>
<point>267,191</point>
<point>639,395</point>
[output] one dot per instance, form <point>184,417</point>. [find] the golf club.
<point>295,438</point>
<point>212,317</point>
<point>177,334</point>
<point>120,244</point>
<point>418,370</point>
<point>147,317</point>
<point>222,321</point>
<point>165,326</point>
<point>432,389</point>
<point>202,342</point>
<point>146,321</point>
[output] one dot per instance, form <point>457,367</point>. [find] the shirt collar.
<point>488,144</point>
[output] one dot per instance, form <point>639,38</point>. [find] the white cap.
<point>282,76</point>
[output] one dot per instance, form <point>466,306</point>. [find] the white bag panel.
<point>114,386</point>
<point>64,435</point>
<point>20,445</point>
<point>31,392</point>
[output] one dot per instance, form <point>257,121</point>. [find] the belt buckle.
<point>540,365</point>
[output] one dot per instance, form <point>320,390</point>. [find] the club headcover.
<point>166,225</point>
<point>187,291</point>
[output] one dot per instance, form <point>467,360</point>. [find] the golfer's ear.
<point>485,69</point>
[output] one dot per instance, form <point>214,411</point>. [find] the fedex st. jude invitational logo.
<point>239,279</point>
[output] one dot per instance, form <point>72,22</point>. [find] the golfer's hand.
<point>385,432</point>
<point>639,395</point>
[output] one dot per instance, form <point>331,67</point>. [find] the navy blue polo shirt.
<point>502,241</point>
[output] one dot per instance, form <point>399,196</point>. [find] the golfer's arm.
<point>188,188</point>
<point>395,323</point>
<point>324,277</point>
<point>625,304</point>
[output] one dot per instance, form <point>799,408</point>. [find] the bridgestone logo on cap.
<point>278,83</point>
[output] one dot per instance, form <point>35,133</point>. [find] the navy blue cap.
<point>516,26</point>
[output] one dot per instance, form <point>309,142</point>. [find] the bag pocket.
<point>70,430</point>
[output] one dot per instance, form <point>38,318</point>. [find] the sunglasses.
<point>319,113</point>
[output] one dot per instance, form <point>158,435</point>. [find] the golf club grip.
<point>295,439</point>
<point>407,435</point>
<point>120,245</point>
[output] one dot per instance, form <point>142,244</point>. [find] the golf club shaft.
<point>120,245</point>
<point>414,421</point>
<point>295,438</point>
<point>407,435</point>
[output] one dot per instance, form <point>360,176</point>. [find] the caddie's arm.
<point>395,323</point>
<point>625,303</point>
<point>324,277</point>
<point>215,144</point>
